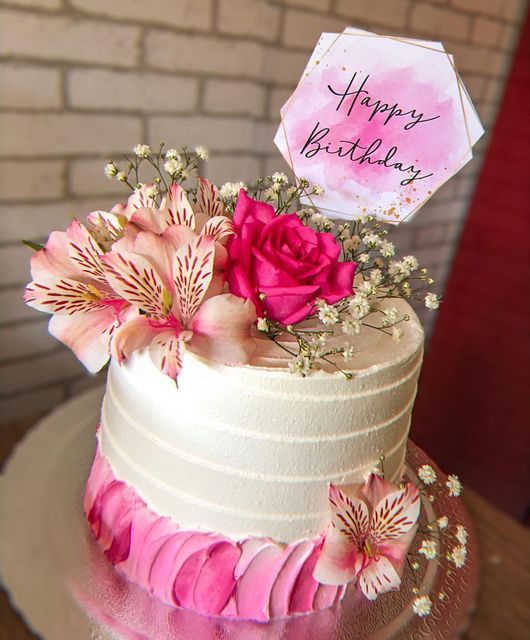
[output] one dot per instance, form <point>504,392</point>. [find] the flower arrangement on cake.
<point>184,264</point>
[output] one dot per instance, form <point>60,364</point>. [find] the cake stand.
<point>64,587</point>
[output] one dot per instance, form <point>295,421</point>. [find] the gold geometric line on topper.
<point>405,41</point>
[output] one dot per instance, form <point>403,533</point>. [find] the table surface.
<point>503,607</point>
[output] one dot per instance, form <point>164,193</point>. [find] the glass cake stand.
<point>64,587</point>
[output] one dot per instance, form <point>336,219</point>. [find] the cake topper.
<point>380,122</point>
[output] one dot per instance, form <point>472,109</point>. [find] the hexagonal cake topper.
<point>380,122</point>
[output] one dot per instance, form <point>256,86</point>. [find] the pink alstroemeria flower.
<point>173,290</point>
<point>372,527</point>
<point>69,281</point>
<point>141,213</point>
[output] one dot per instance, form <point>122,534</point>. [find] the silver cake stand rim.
<point>57,578</point>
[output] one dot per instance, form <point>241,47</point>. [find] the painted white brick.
<point>475,59</point>
<point>486,31</point>
<point>509,36</point>
<point>284,67</point>
<point>182,14</point>
<point>234,96</point>
<point>29,86</point>
<point>200,54</point>
<point>258,19</point>
<point>389,14</point>
<point>55,367</point>
<point>433,256</point>
<point>31,180</point>
<point>123,91</point>
<point>14,265</point>
<point>29,404</point>
<point>475,85</point>
<point>278,98</point>
<point>220,169</point>
<point>439,22</point>
<point>216,134</point>
<point>35,222</point>
<point>265,132</point>
<point>86,178</point>
<point>50,134</point>
<point>430,234</point>
<point>37,4</point>
<point>29,338</point>
<point>496,8</point>
<point>302,29</point>
<point>317,5</point>
<point>63,38</point>
<point>13,307</point>
<point>276,162</point>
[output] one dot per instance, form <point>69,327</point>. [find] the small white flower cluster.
<point>142,150</point>
<point>230,190</point>
<point>428,548</point>
<point>427,474</point>
<point>422,606</point>
<point>454,485</point>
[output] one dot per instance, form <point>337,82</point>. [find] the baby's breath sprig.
<point>171,166</point>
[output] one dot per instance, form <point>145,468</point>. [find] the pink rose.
<point>282,265</point>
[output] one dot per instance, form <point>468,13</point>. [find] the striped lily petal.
<point>177,208</point>
<point>378,576</point>
<point>208,201</point>
<point>192,274</point>
<point>395,514</point>
<point>167,350</point>
<point>65,296</point>
<point>350,515</point>
<point>85,252</point>
<point>134,278</point>
<point>218,228</point>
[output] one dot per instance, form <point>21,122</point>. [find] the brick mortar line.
<point>41,387</point>
<point>25,321</point>
<point>28,358</point>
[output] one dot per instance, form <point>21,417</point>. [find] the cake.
<point>263,368</point>
<point>237,461</point>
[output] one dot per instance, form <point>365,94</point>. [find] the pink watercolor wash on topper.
<point>335,139</point>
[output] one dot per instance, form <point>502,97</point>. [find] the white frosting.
<point>250,450</point>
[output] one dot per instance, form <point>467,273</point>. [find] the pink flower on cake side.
<point>282,265</point>
<point>69,281</point>
<point>372,527</point>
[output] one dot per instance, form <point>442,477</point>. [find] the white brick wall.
<point>83,80</point>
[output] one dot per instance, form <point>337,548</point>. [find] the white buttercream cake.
<point>251,450</point>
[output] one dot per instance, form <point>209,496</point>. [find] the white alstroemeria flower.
<point>422,606</point>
